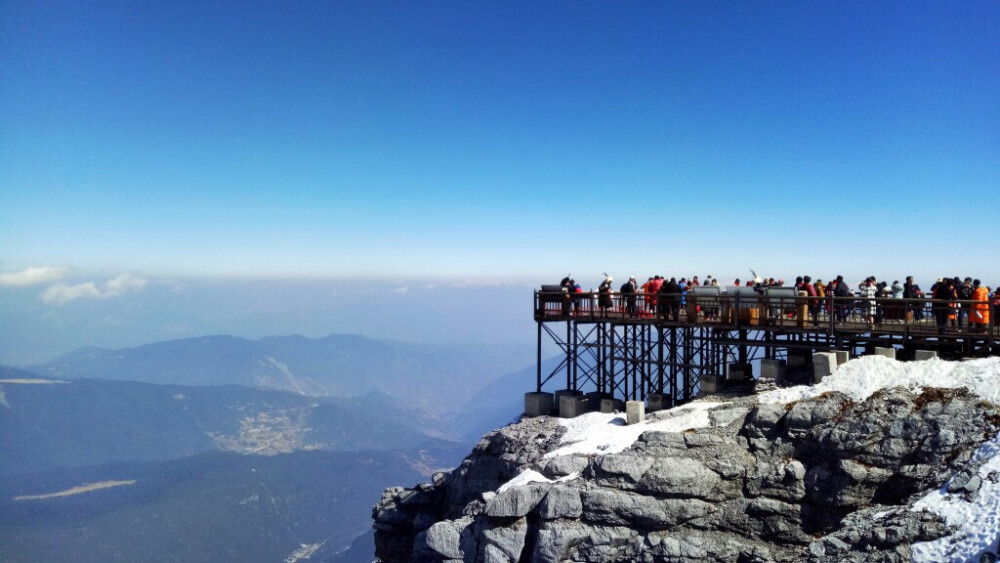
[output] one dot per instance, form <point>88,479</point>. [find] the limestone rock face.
<point>824,479</point>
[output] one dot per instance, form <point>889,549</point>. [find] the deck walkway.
<point>631,350</point>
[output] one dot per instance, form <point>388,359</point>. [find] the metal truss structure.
<point>624,354</point>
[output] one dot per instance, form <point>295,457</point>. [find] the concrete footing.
<point>921,355</point>
<point>594,399</point>
<point>558,395</point>
<point>739,373</point>
<point>799,358</point>
<point>772,369</point>
<point>635,412</point>
<point>824,364</point>
<point>612,405</point>
<point>537,404</point>
<point>887,352</point>
<point>711,384</point>
<point>659,402</point>
<point>558,400</point>
<point>571,406</point>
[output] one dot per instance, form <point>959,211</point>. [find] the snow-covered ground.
<point>978,520</point>
<point>862,377</point>
<point>600,433</point>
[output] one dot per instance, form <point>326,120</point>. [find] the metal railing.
<point>757,310</point>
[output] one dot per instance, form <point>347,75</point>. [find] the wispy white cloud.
<point>123,283</point>
<point>60,293</point>
<point>401,290</point>
<point>33,276</point>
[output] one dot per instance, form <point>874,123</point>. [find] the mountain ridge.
<point>83,422</point>
<point>181,403</point>
<point>432,378</point>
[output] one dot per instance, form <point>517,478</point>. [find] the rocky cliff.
<point>819,474</point>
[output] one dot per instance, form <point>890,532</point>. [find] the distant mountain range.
<point>434,379</point>
<point>225,449</point>
<point>73,423</point>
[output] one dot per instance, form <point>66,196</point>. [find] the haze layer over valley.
<point>275,445</point>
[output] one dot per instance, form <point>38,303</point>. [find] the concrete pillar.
<point>571,406</point>
<point>594,399</point>
<point>824,364</point>
<point>739,373</point>
<point>711,384</point>
<point>921,355</point>
<point>612,405</point>
<point>772,369</point>
<point>798,358</point>
<point>887,352</point>
<point>537,404</point>
<point>557,397</point>
<point>843,356</point>
<point>659,402</point>
<point>635,412</point>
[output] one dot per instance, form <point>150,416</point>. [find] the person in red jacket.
<point>654,289</point>
<point>813,303</point>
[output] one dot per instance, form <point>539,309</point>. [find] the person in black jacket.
<point>908,293</point>
<point>604,290</point>
<point>670,300</point>
<point>629,290</point>
<point>965,291</point>
<point>944,296</point>
<point>843,290</point>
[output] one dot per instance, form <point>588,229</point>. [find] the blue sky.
<point>504,143</point>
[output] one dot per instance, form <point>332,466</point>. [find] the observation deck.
<point>667,351</point>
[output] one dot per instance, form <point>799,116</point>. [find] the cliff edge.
<point>883,461</point>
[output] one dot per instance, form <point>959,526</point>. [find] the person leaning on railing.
<point>965,292</point>
<point>841,291</point>
<point>868,291</point>
<point>628,291</point>
<point>604,294</point>
<point>995,296</point>
<point>979,316</point>
<point>574,295</point>
<point>813,301</point>
<point>912,291</point>
<point>944,299</point>
<point>670,300</point>
<point>820,289</point>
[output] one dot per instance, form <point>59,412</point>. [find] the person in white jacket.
<point>869,291</point>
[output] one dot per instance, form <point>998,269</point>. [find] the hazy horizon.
<point>48,315</point>
<point>169,169</point>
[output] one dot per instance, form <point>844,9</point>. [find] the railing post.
<point>570,359</point>
<point>994,310</point>
<point>659,346</point>
<point>736,311</point>
<point>539,358</point>
<point>831,315</point>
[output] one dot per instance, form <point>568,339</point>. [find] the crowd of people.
<point>953,301</point>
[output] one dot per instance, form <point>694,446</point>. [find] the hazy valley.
<point>224,449</point>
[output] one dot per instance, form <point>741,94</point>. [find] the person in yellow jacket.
<point>979,317</point>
